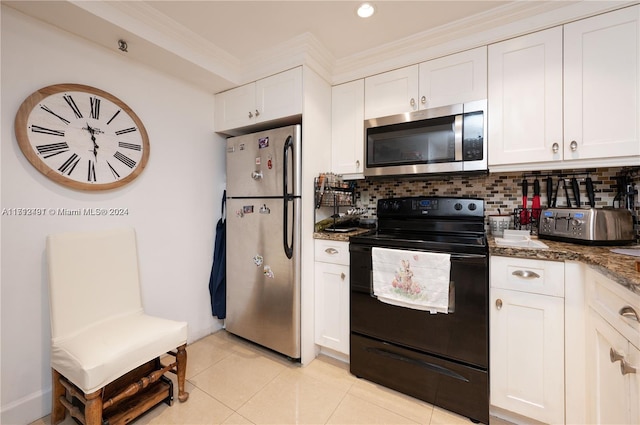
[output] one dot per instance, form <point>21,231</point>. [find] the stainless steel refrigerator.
<point>263,238</point>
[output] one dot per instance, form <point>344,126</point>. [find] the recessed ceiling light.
<point>365,10</point>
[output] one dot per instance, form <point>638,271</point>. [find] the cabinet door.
<point>332,306</point>
<point>347,128</point>
<point>525,99</point>
<point>602,86</point>
<point>235,108</point>
<point>391,93</point>
<point>609,390</point>
<point>279,96</point>
<point>453,79</point>
<point>527,354</point>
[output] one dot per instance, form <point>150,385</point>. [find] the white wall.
<point>173,204</point>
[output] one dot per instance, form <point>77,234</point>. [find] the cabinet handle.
<point>498,303</point>
<point>342,276</point>
<point>412,102</point>
<point>257,113</point>
<point>555,147</point>
<point>250,114</point>
<point>629,313</point>
<point>331,251</point>
<point>614,356</point>
<point>526,274</point>
<point>423,100</point>
<point>357,163</point>
<point>573,145</point>
<point>626,368</point>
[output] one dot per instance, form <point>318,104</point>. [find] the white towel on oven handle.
<point>412,279</point>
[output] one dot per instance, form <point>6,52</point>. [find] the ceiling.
<point>220,44</point>
<point>244,28</point>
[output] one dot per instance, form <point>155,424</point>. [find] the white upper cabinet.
<point>567,100</point>
<point>347,129</point>
<point>274,97</point>
<point>454,79</point>
<point>525,98</point>
<point>391,93</point>
<point>602,85</point>
<point>457,78</point>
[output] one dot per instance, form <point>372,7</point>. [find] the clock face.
<point>82,137</point>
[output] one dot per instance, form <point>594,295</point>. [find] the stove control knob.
<point>472,207</point>
<point>458,206</point>
<point>395,206</point>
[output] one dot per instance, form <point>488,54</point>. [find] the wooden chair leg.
<point>181,360</point>
<point>58,411</point>
<point>93,408</point>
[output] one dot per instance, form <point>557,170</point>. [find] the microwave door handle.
<point>457,134</point>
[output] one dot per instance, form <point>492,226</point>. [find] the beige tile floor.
<point>232,381</point>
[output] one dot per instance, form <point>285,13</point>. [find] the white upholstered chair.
<point>105,351</point>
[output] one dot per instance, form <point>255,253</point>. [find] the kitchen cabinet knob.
<point>626,368</point>
<point>526,274</point>
<point>573,145</point>
<point>342,276</point>
<point>331,251</point>
<point>555,147</point>
<point>629,313</point>
<point>250,114</point>
<point>498,303</point>
<point>257,113</point>
<point>412,102</point>
<point>358,163</point>
<point>423,100</point>
<point>614,356</point>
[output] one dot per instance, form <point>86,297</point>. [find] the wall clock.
<point>82,137</point>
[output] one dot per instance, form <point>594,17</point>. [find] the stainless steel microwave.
<point>448,139</point>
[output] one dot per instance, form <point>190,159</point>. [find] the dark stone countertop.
<point>618,267</point>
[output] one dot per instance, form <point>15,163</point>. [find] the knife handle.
<point>550,192</point>
<point>576,191</point>
<point>590,193</point>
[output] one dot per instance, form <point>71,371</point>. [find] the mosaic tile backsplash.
<point>502,192</point>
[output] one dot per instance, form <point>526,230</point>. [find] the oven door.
<point>461,335</point>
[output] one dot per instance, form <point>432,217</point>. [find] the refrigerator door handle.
<point>288,248</point>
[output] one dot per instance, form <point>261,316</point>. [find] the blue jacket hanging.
<point>217,280</point>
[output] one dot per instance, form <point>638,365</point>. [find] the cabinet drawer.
<point>615,303</point>
<point>336,252</point>
<point>532,276</point>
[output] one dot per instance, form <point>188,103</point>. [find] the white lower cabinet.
<point>527,338</point>
<point>613,357</point>
<point>332,295</point>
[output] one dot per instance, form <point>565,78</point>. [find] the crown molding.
<point>508,21</point>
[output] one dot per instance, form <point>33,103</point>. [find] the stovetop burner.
<point>429,223</point>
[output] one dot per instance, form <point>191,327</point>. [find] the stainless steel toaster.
<point>597,226</point>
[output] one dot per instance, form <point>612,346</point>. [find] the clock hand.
<point>93,139</point>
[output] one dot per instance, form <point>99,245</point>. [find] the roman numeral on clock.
<point>44,130</point>
<point>95,108</point>
<point>72,105</point>
<point>91,175</point>
<point>64,120</point>
<point>52,149</point>
<point>113,171</point>
<point>69,165</point>
<point>129,146</point>
<point>126,130</point>
<point>124,159</point>
<point>114,116</point>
